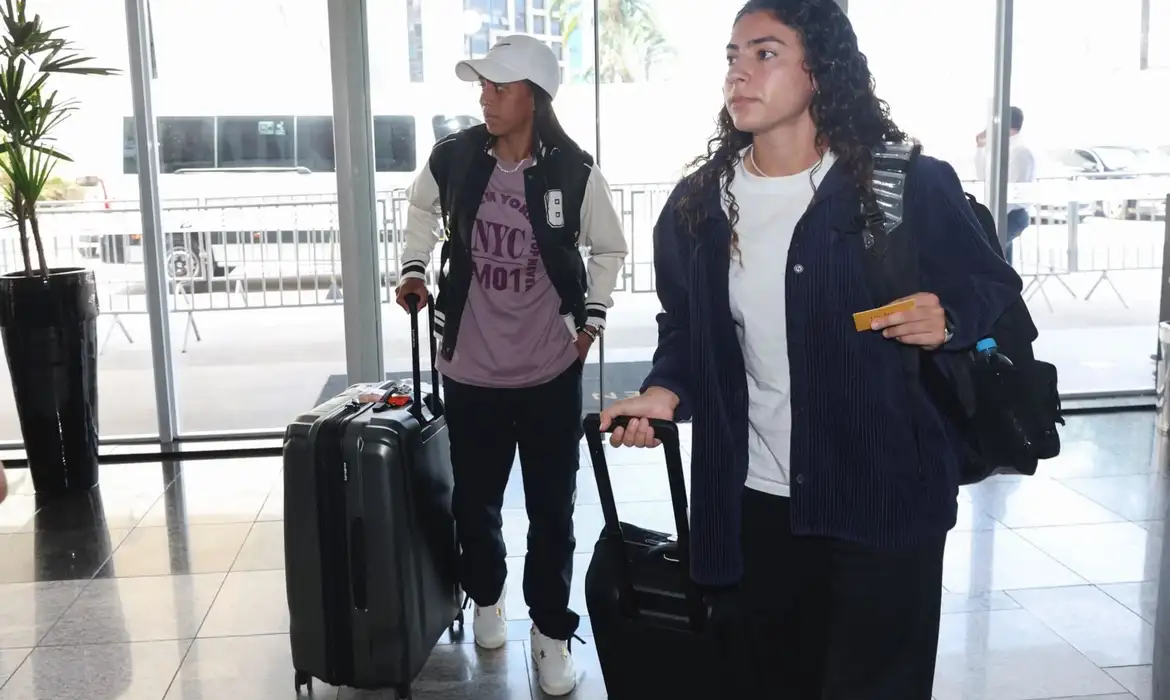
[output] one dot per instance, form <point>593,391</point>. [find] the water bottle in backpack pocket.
<point>1011,423</point>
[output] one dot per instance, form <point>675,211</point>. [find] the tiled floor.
<point>171,585</point>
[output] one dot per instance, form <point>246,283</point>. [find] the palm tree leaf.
<point>570,28</point>
<point>633,42</point>
<point>51,152</point>
<point>14,23</point>
<point>29,112</point>
<point>65,64</point>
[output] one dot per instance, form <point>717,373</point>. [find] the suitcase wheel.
<point>303,680</point>
<point>456,628</point>
<point>403,692</point>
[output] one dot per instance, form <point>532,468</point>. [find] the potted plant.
<point>48,315</point>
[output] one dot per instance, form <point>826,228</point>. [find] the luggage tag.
<point>395,397</point>
<point>863,320</point>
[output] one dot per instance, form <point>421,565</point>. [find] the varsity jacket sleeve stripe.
<point>602,236</point>
<point>423,225</point>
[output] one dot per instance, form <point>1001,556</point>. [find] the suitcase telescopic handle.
<point>412,303</point>
<point>666,432</point>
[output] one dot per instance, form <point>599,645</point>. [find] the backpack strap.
<point>890,256</point>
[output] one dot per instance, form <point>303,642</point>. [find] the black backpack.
<point>1002,431</point>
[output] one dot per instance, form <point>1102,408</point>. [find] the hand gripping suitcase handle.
<point>667,432</point>
<point>412,302</point>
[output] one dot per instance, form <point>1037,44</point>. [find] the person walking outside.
<point>1021,169</point>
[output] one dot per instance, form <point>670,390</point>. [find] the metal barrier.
<point>235,253</point>
<point>639,207</point>
<point>1091,226</point>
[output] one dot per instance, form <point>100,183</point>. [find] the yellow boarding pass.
<point>863,320</point>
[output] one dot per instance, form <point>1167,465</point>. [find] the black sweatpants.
<point>486,426</point>
<point>836,620</point>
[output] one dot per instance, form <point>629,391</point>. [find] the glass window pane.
<point>251,247</point>
<point>186,143</point>
<point>499,14</point>
<point>315,144</point>
<point>1091,234</point>
<point>1159,35</point>
<point>538,24</point>
<point>129,147</point>
<point>90,217</point>
<point>253,142</point>
<point>394,148</point>
<point>414,28</point>
<point>662,70</point>
<point>479,45</point>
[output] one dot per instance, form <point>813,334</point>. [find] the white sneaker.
<point>491,624</point>
<point>554,664</point>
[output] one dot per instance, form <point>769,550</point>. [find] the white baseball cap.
<point>514,58</point>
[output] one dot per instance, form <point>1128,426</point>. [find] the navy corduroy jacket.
<point>856,470</point>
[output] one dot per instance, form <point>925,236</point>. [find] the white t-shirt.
<point>1021,165</point>
<point>769,208</point>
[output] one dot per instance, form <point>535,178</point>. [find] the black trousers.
<point>835,620</point>
<point>486,427</point>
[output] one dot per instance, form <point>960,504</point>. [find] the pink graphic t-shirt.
<point>512,334</point>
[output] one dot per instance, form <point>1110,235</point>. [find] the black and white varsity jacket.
<point>569,208</point>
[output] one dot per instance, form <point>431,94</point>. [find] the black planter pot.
<point>49,327</point>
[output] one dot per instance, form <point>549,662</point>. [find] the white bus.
<point>241,172</point>
<point>238,186</point>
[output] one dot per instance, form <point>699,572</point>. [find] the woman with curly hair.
<point>816,504</point>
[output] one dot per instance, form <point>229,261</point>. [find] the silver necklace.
<point>505,170</point>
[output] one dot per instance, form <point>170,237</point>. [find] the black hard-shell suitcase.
<point>370,552</point>
<point>651,626</point>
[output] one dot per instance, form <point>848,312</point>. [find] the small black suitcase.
<point>651,626</point>
<point>370,552</point>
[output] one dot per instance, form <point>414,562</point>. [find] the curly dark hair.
<point>849,118</point>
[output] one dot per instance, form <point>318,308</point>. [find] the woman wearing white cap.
<point>516,314</point>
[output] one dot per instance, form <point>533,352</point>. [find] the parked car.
<point>1124,163</point>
